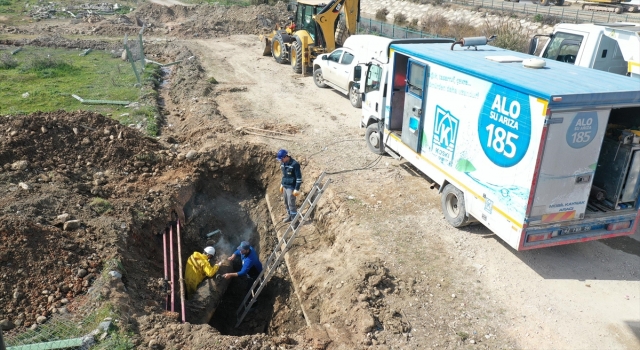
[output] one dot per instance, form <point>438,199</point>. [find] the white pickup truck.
<point>339,69</point>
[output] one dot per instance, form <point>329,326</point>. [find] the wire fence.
<point>84,323</point>
<point>372,26</point>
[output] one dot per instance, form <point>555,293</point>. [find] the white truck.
<point>340,70</point>
<point>611,47</point>
<point>540,152</point>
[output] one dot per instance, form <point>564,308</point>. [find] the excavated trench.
<point>228,198</point>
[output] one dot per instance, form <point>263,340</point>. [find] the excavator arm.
<point>327,16</point>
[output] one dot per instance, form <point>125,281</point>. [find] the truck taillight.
<point>538,237</point>
<point>618,225</point>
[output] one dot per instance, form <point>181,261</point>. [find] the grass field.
<point>44,79</point>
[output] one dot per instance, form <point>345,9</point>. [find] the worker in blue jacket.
<point>290,184</point>
<point>251,265</point>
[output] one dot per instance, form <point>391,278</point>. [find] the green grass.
<point>100,206</point>
<point>44,79</point>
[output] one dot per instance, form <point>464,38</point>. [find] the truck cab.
<point>609,47</point>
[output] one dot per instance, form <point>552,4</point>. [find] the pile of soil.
<point>71,183</point>
<point>206,21</point>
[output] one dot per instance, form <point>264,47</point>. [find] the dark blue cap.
<point>244,245</point>
<point>281,154</point>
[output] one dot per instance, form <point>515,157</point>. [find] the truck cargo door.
<point>568,165</point>
<point>413,104</point>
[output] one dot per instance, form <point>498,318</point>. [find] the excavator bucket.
<point>265,40</point>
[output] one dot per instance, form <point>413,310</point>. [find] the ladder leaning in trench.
<point>283,245</point>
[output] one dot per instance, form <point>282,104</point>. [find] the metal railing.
<point>561,13</point>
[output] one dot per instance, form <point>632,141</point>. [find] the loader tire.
<point>318,78</point>
<point>453,207</point>
<point>372,136</point>
<point>296,55</point>
<point>278,47</point>
<point>543,2</point>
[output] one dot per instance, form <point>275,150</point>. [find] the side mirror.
<point>533,45</point>
<point>290,7</point>
<point>357,73</point>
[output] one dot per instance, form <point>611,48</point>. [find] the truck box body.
<point>543,156</point>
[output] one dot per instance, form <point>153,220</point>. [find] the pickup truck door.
<point>343,73</point>
<point>332,64</point>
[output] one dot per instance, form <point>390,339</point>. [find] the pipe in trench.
<point>180,279</point>
<point>172,272</point>
<point>205,301</point>
<point>165,262</point>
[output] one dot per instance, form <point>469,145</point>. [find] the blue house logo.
<point>445,135</point>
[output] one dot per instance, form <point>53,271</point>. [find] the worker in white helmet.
<point>199,267</point>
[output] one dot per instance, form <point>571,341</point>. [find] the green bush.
<point>381,14</point>
<point>8,62</point>
<point>400,19</point>
<point>538,18</point>
<point>436,24</point>
<point>511,35</point>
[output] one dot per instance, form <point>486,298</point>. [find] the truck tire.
<point>559,2</point>
<point>372,135</point>
<point>453,208</point>
<point>543,2</point>
<point>295,56</point>
<point>318,78</point>
<point>278,47</point>
<point>354,96</point>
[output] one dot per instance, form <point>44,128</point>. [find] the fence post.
<point>609,17</point>
<point>592,13</point>
<point>577,14</point>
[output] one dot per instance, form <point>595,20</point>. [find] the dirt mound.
<point>211,21</point>
<point>62,177</point>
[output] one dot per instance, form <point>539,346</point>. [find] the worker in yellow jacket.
<point>199,267</point>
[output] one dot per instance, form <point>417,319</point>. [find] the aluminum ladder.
<point>283,245</point>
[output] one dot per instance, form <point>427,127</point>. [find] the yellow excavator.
<point>311,32</point>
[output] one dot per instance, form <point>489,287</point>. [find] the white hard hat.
<point>210,250</point>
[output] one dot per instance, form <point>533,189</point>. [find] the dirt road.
<point>583,296</point>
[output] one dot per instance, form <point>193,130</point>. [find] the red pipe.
<point>164,262</point>
<point>173,300</point>
<point>180,271</point>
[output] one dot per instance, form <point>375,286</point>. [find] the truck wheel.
<point>278,48</point>
<point>354,96</point>
<point>543,2</point>
<point>452,200</point>
<point>372,135</point>
<point>318,78</point>
<point>296,55</point>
